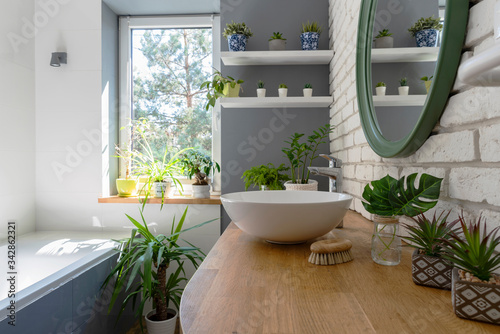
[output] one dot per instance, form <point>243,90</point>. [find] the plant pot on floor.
<point>312,185</point>
<point>384,42</point>
<point>282,92</point>
<point>201,191</point>
<point>431,271</point>
<point>126,187</point>
<point>237,42</point>
<point>427,38</point>
<point>404,90</point>
<point>161,189</point>
<point>475,301</point>
<point>277,45</point>
<point>164,326</point>
<point>231,91</point>
<point>380,91</point>
<point>309,40</point>
<point>261,92</point>
<point>308,92</point>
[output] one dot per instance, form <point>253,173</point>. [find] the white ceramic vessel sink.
<point>286,216</point>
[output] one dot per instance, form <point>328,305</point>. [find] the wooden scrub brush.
<point>331,251</point>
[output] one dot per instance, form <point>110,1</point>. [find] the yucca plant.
<point>142,267</point>
<point>427,235</point>
<point>474,251</point>
<point>311,27</point>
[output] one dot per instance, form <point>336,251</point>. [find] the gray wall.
<point>110,85</point>
<point>398,16</point>
<point>267,127</point>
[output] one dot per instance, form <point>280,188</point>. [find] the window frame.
<point>126,24</point>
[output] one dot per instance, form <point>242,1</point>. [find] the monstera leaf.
<point>390,197</point>
<point>411,201</point>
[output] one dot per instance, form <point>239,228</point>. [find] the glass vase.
<point>386,243</point>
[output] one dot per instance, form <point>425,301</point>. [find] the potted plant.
<point>301,155</point>
<point>309,37</point>
<point>425,31</point>
<point>429,268</point>
<point>403,88</point>
<point>125,186</point>
<point>391,198</point>
<point>237,35</point>
<point>384,39</point>
<point>475,287</point>
<point>261,91</point>
<point>380,88</point>
<point>266,177</point>
<point>142,271</point>
<point>277,42</point>
<point>220,86</point>
<point>308,90</point>
<point>428,82</point>
<point>282,90</point>
<point>196,163</point>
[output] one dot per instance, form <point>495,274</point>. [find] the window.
<point>163,61</point>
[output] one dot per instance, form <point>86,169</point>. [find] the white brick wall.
<point>464,149</point>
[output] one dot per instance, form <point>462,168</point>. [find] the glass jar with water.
<point>386,243</point>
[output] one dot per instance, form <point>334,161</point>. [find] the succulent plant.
<point>426,23</point>
<point>283,86</point>
<point>381,84</point>
<point>474,252</point>
<point>403,82</point>
<point>277,35</point>
<point>260,84</point>
<point>308,85</point>
<point>311,27</point>
<point>428,234</point>
<point>383,33</point>
<point>236,29</point>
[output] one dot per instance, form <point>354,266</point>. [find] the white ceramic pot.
<point>308,92</point>
<point>261,92</point>
<point>161,189</point>
<point>282,92</point>
<point>403,90</point>
<point>161,327</point>
<point>384,42</point>
<point>380,91</point>
<point>201,191</point>
<point>312,185</point>
<point>277,45</point>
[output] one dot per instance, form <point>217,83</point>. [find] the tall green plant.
<point>391,197</point>
<point>300,155</point>
<point>142,267</point>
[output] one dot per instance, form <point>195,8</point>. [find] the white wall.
<point>17,127</point>
<point>464,147</point>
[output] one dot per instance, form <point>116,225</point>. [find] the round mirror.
<point>399,115</point>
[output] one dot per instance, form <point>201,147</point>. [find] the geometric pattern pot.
<point>237,42</point>
<point>475,301</point>
<point>309,41</point>
<point>431,271</point>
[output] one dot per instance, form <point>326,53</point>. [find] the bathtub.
<point>62,270</point>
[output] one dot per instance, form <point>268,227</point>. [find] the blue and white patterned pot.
<point>309,40</point>
<point>237,42</point>
<point>427,38</point>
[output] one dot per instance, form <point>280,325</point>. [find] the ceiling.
<point>163,7</point>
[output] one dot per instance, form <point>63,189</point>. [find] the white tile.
<point>17,86</point>
<point>83,48</point>
<point>69,171</point>
<point>19,208</point>
<point>70,14</point>
<point>68,91</point>
<point>57,130</point>
<point>67,212</point>
<point>17,129</point>
<point>17,172</point>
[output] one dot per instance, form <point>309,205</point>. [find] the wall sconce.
<point>58,58</point>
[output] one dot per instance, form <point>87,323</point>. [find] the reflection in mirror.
<point>397,114</point>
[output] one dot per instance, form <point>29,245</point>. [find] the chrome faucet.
<point>333,172</point>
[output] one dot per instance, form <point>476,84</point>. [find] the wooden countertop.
<point>246,285</point>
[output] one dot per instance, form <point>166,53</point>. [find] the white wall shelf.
<point>399,101</point>
<point>404,55</point>
<point>277,102</point>
<point>286,57</point>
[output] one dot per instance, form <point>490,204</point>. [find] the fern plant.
<point>266,175</point>
<point>427,235</point>
<point>474,252</point>
<point>391,197</point>
<point>424,24</point>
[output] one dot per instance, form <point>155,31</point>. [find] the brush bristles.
<point>330,258</point>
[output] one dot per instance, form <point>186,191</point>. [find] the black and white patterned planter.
<point>475,301</point>
<point>431,271</point>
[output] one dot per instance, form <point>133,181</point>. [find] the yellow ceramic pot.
<point>230,91</point>
<point>126,187</point>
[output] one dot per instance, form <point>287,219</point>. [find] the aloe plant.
<point>474,252</point>
<point>391,197</point>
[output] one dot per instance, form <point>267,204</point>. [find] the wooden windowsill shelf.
<point>213,200</point>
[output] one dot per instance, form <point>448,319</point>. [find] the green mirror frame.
<point>450,52</point>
